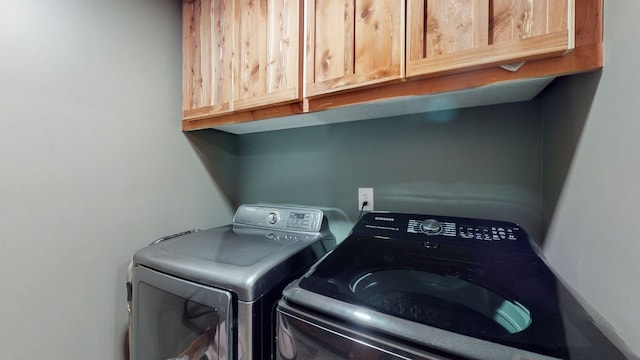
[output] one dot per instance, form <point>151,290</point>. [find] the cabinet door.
<point>239,55</point>
<point>267,53</point>
<point>206,57</point>
<point>447,36</point>
<point>352,43</point>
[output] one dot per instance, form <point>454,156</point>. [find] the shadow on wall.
<point>489,201</point>
<point>478,162</point>
<point>566,104</point>
<point>218,151</point>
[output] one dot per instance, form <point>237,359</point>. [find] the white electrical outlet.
<point>365,195</point>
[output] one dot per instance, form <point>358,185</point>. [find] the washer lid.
<point>498,291</point>
<point>441,300</point>
<point>247,261</point>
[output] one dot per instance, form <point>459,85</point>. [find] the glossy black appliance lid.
<point>481,279</point>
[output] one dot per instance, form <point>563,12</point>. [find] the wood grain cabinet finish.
<point>447,36</point>
<point>239,55</point>
<point>207,47</point>
<point>248,60</point>
<point>353,43</point>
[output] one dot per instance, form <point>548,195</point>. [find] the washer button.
<point>430,227</point>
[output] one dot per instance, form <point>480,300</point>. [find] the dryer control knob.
<point>430,227</point>
<point>273,217</point>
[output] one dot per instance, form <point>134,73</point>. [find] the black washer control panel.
<point>465,231</point>
<point>488,233</point>
<point>436,232</point>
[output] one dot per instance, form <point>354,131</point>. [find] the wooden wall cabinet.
<point>353,43</point>
<point>249,60</point>
<point>446,36</point>
<point>357,43</point>
<point>239,55</point>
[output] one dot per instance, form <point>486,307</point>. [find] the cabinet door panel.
<point>448,36</point>
<point>333,39</point>
<point>251,44</point>
<point>454,26</point>
<point>353,43</point>
<point>513,20</point>
<point>378,35</point>
<point>267,58</point>
<point>206,57</point>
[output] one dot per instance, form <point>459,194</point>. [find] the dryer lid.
<point>246,261</point>
<point>263,249</point>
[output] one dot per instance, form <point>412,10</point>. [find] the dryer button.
<point>273,217</point>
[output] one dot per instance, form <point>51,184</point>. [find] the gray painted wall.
<point>94,167</point>
<point>593,237</point>
<point>566,104</point>
<point>481,162</point>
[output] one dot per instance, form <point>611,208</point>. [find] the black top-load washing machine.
<point>406,286</point>
<point>212,294</point>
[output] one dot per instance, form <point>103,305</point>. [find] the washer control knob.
<point>273,217</point>
<point>430,227</point>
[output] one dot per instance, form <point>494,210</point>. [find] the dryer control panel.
<point>279,217</point>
